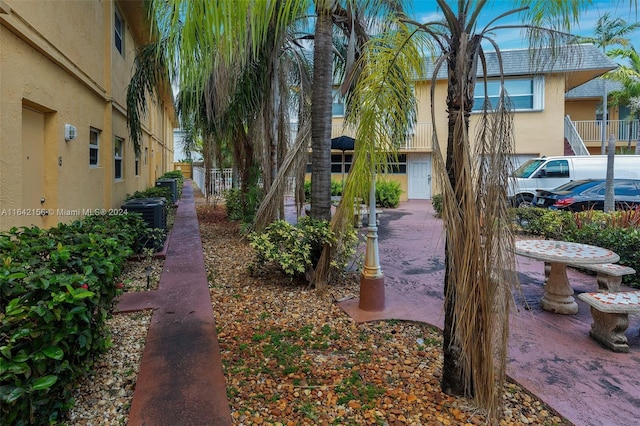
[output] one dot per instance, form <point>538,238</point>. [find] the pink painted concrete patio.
<point>551,355</point>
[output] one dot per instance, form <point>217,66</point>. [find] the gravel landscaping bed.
<point>291,357</point>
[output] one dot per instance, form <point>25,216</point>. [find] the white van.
<point>551,172</point>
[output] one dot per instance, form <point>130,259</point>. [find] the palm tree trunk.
<point>321,113</point>
<point>461,82</point>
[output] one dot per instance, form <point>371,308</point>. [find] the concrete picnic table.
<point>558,293</point>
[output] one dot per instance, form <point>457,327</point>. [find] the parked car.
<point>588,194</point>
<point>550,172</point>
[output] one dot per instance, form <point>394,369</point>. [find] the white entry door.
<point>419,171</point>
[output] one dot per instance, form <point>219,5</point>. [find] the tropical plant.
<point>388,193</point>
<point>609,32</point>
<point>57,288</point>
<point>629,75</point>
<point>473,178</point>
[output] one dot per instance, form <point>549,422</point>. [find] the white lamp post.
<point>372,278</point>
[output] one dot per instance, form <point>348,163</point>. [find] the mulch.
<point>291,356</point>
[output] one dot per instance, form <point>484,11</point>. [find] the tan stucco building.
<point>536,85</point>
<point>64,142</point>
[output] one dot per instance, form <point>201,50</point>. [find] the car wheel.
<point>524,200</point>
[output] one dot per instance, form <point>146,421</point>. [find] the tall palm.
<point>479,245</point>
<point>629,75</point>
<point>231,71</point>
<point>609,32</point>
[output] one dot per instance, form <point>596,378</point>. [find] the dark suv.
<point>588,194</point>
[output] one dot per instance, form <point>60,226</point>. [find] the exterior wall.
<point>75,76</point>
<point>535,132</point>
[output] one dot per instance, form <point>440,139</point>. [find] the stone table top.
<point>564,252</point>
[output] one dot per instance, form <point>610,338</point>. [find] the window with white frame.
<point>137,165</point>
<point>526,94</point>
<point>118,146</point>
<point>341,163</point>
<point>397,165</point>
<point>118,32</point>
<point>94,139</point>
<point>337,104</point>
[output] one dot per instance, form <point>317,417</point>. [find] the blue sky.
<point>426,10</point>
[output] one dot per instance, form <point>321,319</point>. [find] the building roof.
<point>592,89</point>
<point>580,62</point>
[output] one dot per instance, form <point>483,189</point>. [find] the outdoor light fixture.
<point>70,132</point>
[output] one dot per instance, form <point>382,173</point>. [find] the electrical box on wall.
<point>70,132</point>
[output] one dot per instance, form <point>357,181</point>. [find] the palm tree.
<point>609,32</point>
<point>230,76</point>
<point>473,177</point>
<point>629,76</point>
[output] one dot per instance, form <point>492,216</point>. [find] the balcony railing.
<point>418,138</point>
<point>622,130</point>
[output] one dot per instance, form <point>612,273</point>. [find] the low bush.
<point>57,288</point>
<point>617,231</point>
<point>336,189</point>
<point>152,192</point>
<point>242,207</point>
<point>436,202</point>
<point>388,193</point>
<point>296,249</point>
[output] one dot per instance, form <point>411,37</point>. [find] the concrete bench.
<point>608,275</point>
<point>610,313</point>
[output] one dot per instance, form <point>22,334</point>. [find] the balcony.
<point>418,139</point>
<point>623,130</point>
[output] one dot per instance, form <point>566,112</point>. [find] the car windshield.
<point>527,168</point>
<point>570,186</point>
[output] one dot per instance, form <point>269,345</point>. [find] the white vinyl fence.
<point>221,180</point>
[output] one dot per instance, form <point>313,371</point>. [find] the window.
<point>118,32</point>
<point>137,165</point>
<point>117,166</point>
<point>94,136</point>
<point>336,163</point>
<point>146,156</point>
<point>524,93</point>
<point>555,169</point>
<point>337,105</point>
<point>397,167</point>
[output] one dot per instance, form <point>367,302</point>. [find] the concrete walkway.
<point>551,355</point>
<point>180,381</point>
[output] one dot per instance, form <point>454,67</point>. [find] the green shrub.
<point>307,191</point>
<point>296,248</point>
<point>436,202</point>
<point>175,174</point>
<point>57,288</point>
<point>152,192</point>
<point>336,189</point>
<point>616,231</point>
<point>388,193</point>
<point>241,206</point>
<point>549,223</point>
